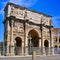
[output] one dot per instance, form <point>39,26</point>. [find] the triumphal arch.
<point>25,28</point>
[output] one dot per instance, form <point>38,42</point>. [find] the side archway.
<point>18,46</point>
<point>56,49</point>
<point>18,41</point>
<point>46,43</point>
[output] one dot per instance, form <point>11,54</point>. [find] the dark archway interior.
<point>35,38</point>
<point>46,43</point>
<point>18,41</point>
<point>56,47</point>
<point>59,40</point>
<point>18,46</point>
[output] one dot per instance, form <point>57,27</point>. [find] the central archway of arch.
<point>34,38</point>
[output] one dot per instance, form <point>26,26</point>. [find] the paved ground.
<point>30,58</point>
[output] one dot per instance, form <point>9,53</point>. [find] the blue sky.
<point>50,7</point>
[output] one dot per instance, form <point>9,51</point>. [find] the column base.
<point>53,51</point>
<point>26,51</point>
<point>0,53</point>
<point>12,51</point>
<point>7,54</point>
<point>12,54</point>
<point>44,53</point>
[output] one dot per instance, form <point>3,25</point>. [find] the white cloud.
<point>56,21</point>
<point>56,17</point>
<point>1,11</point>
<point>4,3</point>
<point>26,3</point>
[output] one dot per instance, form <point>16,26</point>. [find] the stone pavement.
<point>55,57</point>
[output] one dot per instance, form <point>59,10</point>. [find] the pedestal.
<point>7,52</point>
<point>44,53</point>
<point>52,51</point>
<point>26,50</point>
<point>22,51</point>
<point>12,51</point>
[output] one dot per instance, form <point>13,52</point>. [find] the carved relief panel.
<point>18,28</point>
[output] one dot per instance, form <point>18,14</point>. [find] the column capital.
<point>12,17</point>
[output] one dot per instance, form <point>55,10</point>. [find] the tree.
<point>5,42</point>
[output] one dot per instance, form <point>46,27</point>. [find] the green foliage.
<point>5,42</point>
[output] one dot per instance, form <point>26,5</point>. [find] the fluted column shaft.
<point>8,38</point>
<point>12,43</point>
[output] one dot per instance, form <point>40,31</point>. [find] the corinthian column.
<point>8,37</point>
<point>52,41</point>
<point>12,32</point>
<point>12,43</point>
<point>51,38</point>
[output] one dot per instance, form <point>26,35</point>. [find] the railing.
<point>28,51</point>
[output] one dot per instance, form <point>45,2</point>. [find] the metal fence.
<point>28,50</point>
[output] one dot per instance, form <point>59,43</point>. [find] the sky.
<point>50,7</point>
